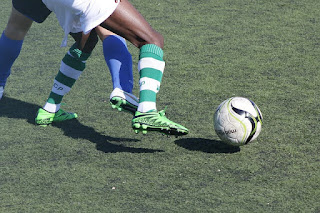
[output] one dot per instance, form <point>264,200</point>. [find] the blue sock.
<point>119,61</point>
<point>9,51</point>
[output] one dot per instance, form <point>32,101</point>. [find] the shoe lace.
<point>163,119</point>
<point>162,113</point>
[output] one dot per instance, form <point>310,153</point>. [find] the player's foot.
<point>156,121</point>
<point>1,91</point>
<point>45,118</point>
<point>125,101</point>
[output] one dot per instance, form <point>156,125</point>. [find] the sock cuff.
<point>113,38</point>
<point>78,54</point>
<point>153,49</point>
<point>3,36</point>
<point>13,44</point>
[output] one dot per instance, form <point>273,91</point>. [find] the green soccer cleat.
<point>45,118</point>
<point>123,101</point>
<point>156,121</point>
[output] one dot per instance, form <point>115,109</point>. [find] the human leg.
<point>129,23</point>
<point>119,61</point>
<point>71,68</point>
<point>22,15</point>
<point>9,52</point>
<point>11,43</point>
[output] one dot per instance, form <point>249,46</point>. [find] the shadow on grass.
<point>13,108</point>
<point>206,145</point>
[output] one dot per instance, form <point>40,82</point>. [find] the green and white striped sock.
<point>71,68</point>
<point>151,66</point>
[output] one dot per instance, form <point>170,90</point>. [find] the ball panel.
<point>237,121</point>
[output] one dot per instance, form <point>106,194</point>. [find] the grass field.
<point>265,50</point>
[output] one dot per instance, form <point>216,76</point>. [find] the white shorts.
<point>80,15</point>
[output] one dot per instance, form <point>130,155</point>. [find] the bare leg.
<point>127,22</point>
<point>18,25</point>
<point>103,33</point>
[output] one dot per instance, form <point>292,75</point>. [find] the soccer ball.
<point>237,121</point>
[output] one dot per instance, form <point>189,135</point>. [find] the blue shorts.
<point>33,9</point>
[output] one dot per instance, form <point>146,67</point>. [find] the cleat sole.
<point>122,105</point>
<point>43,125</point>
<point>156,121</point>
<point>137,127</point>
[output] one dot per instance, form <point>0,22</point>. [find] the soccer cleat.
<point>125,101</point>
<point>156,121</point>
<point>45,118</point>
<point>1,91</point>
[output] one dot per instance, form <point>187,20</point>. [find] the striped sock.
<point>151,66</point>
<point>71,68</point>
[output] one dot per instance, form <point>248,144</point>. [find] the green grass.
<point>265,50</point>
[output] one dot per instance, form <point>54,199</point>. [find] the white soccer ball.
<point>237,121</point>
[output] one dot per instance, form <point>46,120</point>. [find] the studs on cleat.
<point>123,105</point>
<point>136,126</point>
<point>144,131</point>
